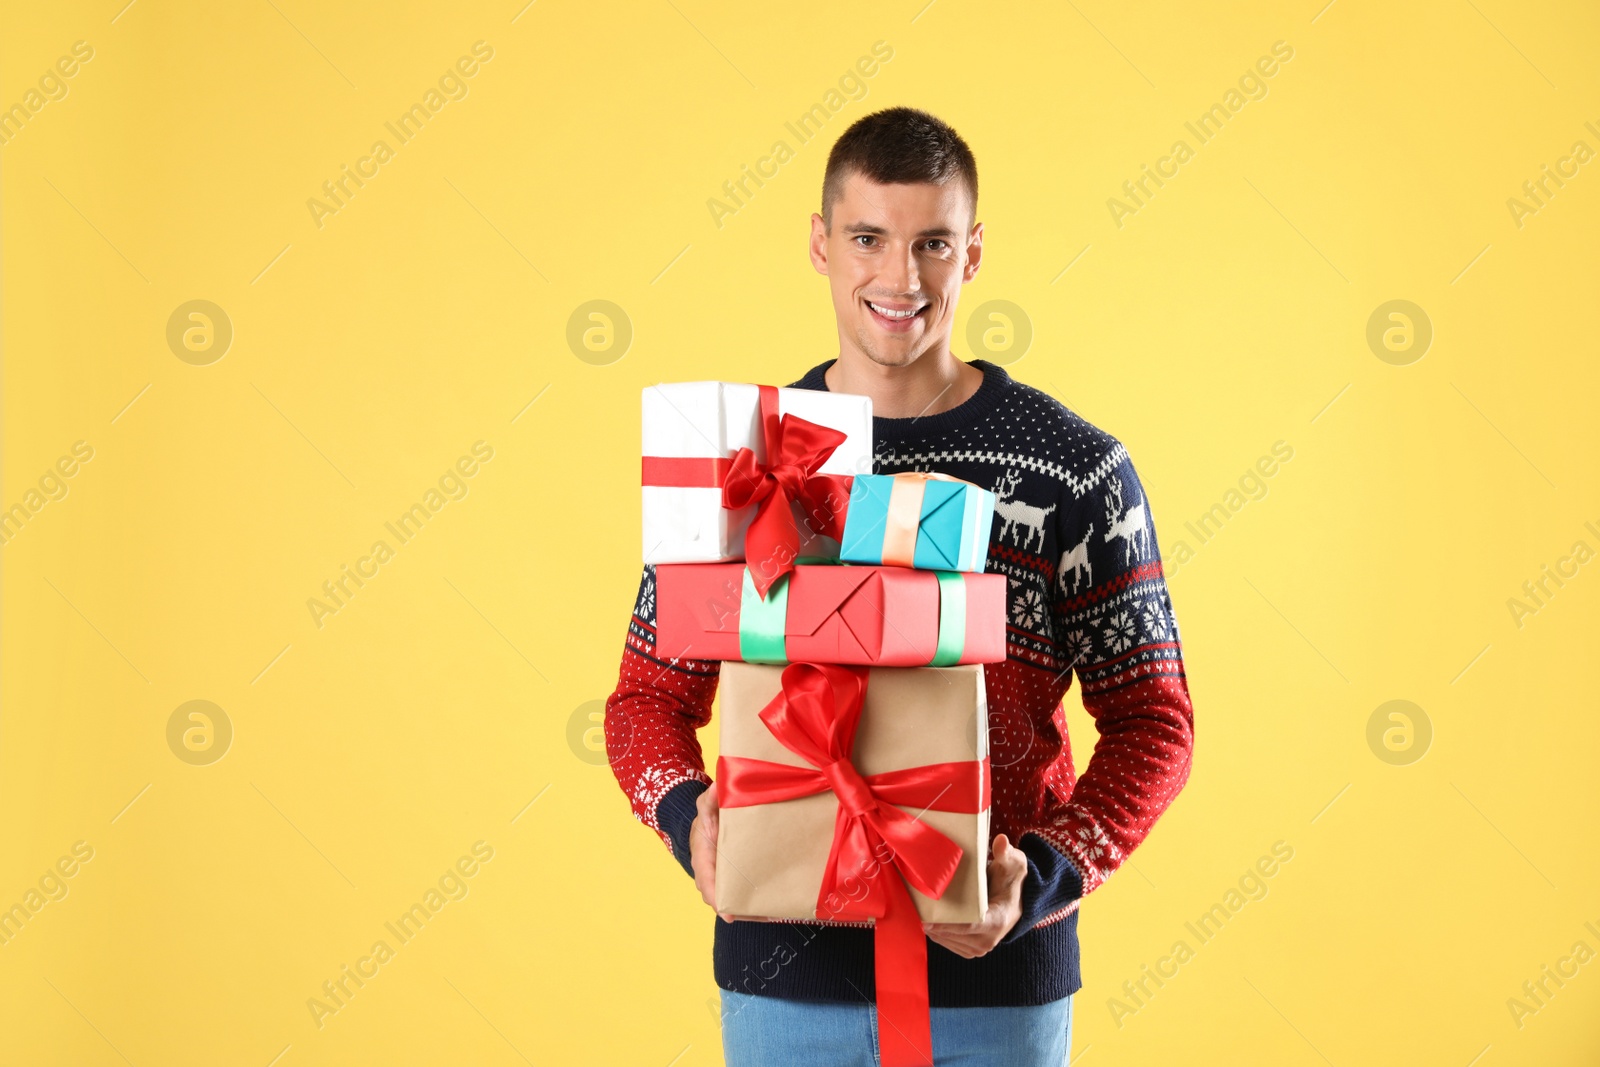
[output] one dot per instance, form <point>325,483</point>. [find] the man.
<point>897,239</point>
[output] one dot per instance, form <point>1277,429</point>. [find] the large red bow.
<point>815,716</point>
<point>795,449</point>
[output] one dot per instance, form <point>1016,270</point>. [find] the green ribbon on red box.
<point>762,619</point>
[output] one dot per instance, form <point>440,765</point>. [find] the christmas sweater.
<point>1074,536</point>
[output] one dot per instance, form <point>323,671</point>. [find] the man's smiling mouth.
<point>897,314</point>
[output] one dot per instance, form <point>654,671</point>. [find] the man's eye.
<point>864,237</point>
<point>937,245</point>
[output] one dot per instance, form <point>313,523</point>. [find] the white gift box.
<point>712,421</point>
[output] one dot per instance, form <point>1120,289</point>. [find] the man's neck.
<point>928,386</point>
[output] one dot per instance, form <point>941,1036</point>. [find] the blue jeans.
<point>772,1032</point>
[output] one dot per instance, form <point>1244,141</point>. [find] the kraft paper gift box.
<point>918,519</point>
<point>772,856</point>
<point>691,434</point>
<point>831,613</point>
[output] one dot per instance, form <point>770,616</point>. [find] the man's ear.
<point>819,244</point>
<point>974,253</point>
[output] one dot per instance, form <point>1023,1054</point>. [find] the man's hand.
<point>703,846</point>
<point>703,852</point>
<point>1007,868</point>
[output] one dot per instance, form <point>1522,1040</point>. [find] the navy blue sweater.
<point>1074,498</point>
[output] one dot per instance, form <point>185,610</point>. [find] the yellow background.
<point>369,354</point>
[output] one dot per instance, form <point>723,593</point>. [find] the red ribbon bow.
<point>795,449</point>
<point>815,716</point>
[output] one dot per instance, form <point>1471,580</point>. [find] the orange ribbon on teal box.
<point>918,519</point>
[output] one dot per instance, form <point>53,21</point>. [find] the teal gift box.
<point>918,519</point>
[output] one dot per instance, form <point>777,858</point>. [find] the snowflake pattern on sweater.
<point>1074,536</point>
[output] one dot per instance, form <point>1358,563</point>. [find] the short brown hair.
<point>898,145</point>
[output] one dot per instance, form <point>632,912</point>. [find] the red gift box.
<point>875,616</point>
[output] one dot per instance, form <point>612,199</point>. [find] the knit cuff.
<point>1051,884</point>
<point>675,814</point>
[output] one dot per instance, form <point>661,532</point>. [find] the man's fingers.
<point>952,940</point>
<point>1007,867</point>
<point>1006,880</point>
<point>1007,857</point>
<point>707,820</point>
<point>963,948</point>
<point>703,846</point>
<point>959,937</point>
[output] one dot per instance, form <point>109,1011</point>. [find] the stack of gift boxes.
<point>854,616</point>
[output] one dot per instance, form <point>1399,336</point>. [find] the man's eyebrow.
<point>867,227</point>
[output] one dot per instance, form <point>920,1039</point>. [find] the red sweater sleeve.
<point>652,717</point>
<point>1121,637</point>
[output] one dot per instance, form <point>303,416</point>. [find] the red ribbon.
<point>815,716</point>
<point>687,472</point>
<point>795,449</point>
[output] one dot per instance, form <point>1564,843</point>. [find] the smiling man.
<point>897,239</point>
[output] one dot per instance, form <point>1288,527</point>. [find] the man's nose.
<point>900,272</point>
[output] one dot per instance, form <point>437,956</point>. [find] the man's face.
<point>896,260</point>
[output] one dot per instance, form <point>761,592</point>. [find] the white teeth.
<point>889,314</point>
